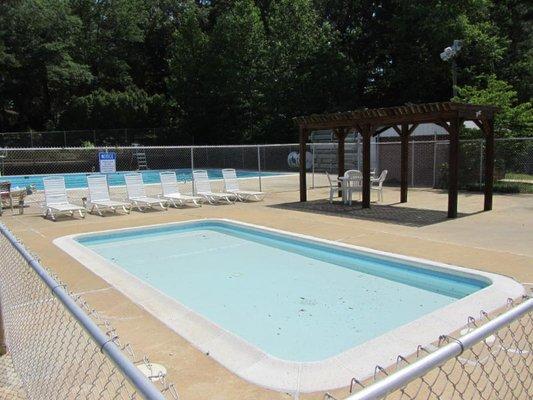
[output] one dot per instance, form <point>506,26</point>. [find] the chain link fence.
<point>57,346</point>
<point>428,163</point>
<point>95,137</point>
<point>491,359</point>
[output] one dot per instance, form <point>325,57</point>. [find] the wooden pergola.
<point>404,120</point>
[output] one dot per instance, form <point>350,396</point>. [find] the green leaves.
<point>514,119</point>
<point>239,70</point>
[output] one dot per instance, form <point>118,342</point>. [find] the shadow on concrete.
<point>389,213</point>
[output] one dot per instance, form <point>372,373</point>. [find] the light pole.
<point>450,54</point>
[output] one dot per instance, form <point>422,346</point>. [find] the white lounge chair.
<point>231,185</point>
<point>203,189</point>
<point>99,197</point>
<point>171,191</point>
<point>56,200</point>
<point>137,194</point>
<point>376,184</point>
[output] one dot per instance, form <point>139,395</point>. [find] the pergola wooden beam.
<point>404,162</point>
<point>412,114</point>
<point>404,119</point>
<point>488,130</point>
<point>453,168</point>
<point>366,132</point>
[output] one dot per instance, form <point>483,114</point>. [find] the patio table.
<point>348,182</point>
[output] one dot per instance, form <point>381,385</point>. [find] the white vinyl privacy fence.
<point>58,346</point>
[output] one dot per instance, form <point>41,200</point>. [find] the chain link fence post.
<point>193,190</point>
<point>259,166</point>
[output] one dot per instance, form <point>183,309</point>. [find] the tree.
<point>110,109</point>
<point>42,74</point>
<point>514,119</point>
<point>514,21</point>
<point>187,81</point>
<point>109,39</point>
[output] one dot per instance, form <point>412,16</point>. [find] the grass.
<point>521,187</point>
<point>518,176</point>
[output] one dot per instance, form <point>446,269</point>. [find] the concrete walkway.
<point>500,241</point>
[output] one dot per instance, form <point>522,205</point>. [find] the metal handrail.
<point>421,367</point>
<point>135,377</point>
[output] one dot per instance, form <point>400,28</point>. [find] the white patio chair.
<point>352,183</point>
<point>231,185</point>
<point>333,186</point>
<point>137,193</point>
<point>171,192</point>
<point>56,200</point>
<point>99,197</point>
<point>376,184</point>
<point>203,189</point>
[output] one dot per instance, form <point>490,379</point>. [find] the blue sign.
<point>108,162</point>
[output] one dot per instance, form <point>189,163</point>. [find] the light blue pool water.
<point>295,299</point>
<point>77,181</point>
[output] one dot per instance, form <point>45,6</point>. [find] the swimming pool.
<point>284,311</point>
<point>79,180</point>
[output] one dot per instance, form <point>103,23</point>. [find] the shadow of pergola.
<point>387,213</point>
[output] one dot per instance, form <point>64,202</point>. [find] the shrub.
<point>497,188</point>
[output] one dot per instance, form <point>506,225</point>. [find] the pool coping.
<point>256,366</point>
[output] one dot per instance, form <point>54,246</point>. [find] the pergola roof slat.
<point>411,113</point>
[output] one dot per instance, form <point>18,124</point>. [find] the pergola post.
<point>304,133</point>
<point>404,169</point>
<point>367,134</point>
<point>453,168</point>
<point>341,139</point>
<point>488,129</point>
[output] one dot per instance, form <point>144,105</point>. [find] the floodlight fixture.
<point>449,54</point>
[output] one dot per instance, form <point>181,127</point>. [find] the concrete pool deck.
<point>498,241</point>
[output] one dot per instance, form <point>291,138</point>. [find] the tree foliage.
<point>514,119</point>
<point>239,70</point>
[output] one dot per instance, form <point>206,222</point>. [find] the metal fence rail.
<point>493,359</point>
<point>428,160</point>
<point>57,350</point>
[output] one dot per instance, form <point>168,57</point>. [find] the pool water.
<point>78,181</point>
<point>294,299</point>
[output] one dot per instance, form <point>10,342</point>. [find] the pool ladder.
<point>140,156</point>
